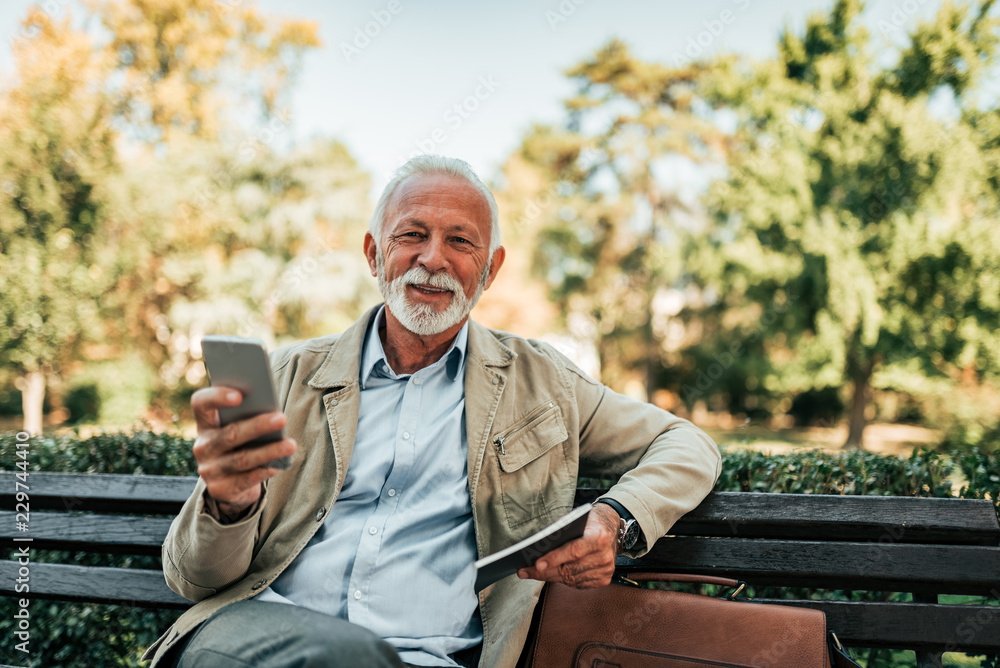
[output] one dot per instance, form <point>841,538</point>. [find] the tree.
<point>200,68</point>
<point>170,79</point>
<point>267,247</point>
<point>866,217</point>
<point>611,218</point>
<point>56,155</point>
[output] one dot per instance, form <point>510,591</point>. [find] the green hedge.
<point>87,635</point>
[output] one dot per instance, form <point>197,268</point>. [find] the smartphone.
<point>242,364</point>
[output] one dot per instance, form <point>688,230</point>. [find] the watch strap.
<point>629,532</point>
<point>619,508</point>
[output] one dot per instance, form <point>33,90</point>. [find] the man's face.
<point>433,260</point>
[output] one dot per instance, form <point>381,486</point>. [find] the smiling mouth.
<point>429,289</point>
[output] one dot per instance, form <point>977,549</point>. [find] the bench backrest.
<point>922,546</point>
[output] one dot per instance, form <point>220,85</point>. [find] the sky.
<point>468,79</point>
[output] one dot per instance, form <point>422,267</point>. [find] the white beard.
<point>424,319</point>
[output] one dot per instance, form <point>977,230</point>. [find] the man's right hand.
<point>233,478</point>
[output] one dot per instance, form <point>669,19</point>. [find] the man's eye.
<point>461,240</point>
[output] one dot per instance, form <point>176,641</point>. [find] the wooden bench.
<point>915,548</point>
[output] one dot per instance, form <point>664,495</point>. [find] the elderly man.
<point>420,441</point>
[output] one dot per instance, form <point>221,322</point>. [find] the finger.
<point>243,460</point>
<point>591,572</point>
<point>206,402</point>
<point>547,566</point>
<point>594,571</point>
<point>573,551</point>
<point>597,537</point>
<point>571,571</point>
<point>235,434</point>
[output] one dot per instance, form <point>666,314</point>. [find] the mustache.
<point>442,280</point>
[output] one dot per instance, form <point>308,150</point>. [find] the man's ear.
<point>495,263</point>
<point>370,251</point>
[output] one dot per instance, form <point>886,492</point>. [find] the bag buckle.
<point>620,579</point>
<point>736,592</point>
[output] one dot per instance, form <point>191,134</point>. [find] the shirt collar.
<point>374,362</point>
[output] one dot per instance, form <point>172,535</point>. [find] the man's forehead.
<point>443,191</point>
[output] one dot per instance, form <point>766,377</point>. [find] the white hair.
<point>434,164</point>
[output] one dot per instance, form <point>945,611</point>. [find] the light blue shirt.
<point>396,553</point>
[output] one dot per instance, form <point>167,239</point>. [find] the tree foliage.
<point>607,235</point>
<point>56,157</point>
<point>847,232</point>
<point>871,214</point>
<point>189,68</point>
<point>150,193</point>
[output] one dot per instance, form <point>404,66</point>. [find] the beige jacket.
<point>557,423</point>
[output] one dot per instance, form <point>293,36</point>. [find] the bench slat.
<point>915,626</point>
<point>960,569</point>
<point>118,534</point>
<point>898,519</point>
<point>746,515</point>
<point>125,586</point>
<point>102,492</point>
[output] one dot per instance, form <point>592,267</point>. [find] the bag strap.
<point>839,656</point>
<point>683,577</point>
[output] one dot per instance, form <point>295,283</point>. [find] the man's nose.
<point>433,255</point>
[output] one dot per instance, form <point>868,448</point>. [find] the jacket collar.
<point>485,349</point>
<point>343,363</point>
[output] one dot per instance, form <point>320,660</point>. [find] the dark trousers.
<point>276,635</point>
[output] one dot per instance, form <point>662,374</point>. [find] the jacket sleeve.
<point>667,465</point>
<point>200,554</point>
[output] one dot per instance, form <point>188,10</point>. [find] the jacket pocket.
<point>532,471</point>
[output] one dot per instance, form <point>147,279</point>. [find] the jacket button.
<point>319,514</point>
<point>258,584</point>
<point>496,380</point>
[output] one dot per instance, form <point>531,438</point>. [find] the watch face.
<point>630,534</point>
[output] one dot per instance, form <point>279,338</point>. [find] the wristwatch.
<point>628,528</point>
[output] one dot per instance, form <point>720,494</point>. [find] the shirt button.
<point>357,595</point>
<point>406,435</point>
<point>372,530</point>
<point>392,492</point>
<point>416,381</point>
<point>320,513</point>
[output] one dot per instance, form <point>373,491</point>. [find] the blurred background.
<point>779,219</point>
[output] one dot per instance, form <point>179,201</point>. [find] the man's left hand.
<point>588,561</point>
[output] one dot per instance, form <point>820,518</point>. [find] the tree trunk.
<point>32,396</point>
<point>859,403</point>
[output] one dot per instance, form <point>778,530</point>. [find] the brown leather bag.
<point>622,626</point>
